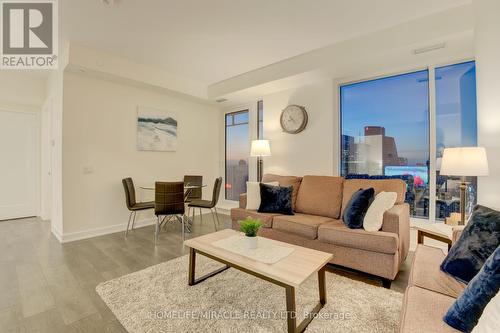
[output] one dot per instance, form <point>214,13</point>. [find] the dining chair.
<point>169,201</point>
<point>209,204</point>
<point>132,205</point>
<point>195,193</point>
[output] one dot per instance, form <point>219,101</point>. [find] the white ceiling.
<point>214,40</point>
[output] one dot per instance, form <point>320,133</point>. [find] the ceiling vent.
<point>221,100</point>
<point>429,48</point>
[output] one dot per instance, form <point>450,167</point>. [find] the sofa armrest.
<point>456,233</point>
<point>397,220</point>
<point>243,200</point>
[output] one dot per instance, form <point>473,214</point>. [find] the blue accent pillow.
<point>356,208</point>
<point>479,239</point>
<point>465,312</point>
<point>276,199</point>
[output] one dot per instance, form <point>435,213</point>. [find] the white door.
<point>18,164</point>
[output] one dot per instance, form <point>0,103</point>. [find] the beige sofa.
<point>430,292</point>
<point>318,203</point>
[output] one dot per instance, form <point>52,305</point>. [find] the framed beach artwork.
<point>156,130</point>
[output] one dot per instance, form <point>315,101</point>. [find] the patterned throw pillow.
<point>479,239</point>
<point>276,199</point>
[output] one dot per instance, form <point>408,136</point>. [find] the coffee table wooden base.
<point>291,308</point>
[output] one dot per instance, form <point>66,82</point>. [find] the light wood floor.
<point>49,287</point>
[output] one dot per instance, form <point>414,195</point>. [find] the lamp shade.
<point>260,148</point>
<point>464,161</point>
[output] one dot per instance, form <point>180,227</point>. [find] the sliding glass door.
<point>385,132</point>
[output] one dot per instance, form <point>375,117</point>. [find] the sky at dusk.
<point>400,104</point>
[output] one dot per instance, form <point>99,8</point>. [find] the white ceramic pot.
<point>251,242</point>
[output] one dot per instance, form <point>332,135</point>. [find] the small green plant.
<point>250,226</point>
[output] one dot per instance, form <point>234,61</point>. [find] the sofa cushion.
<point>379,185</point>
<point>238,214</point>
<point>320,195</point>
<point>479,239</point>
<point>337,233</point>
<point>425,272</point>
<point>300,224</point>
<point>423,311</point>
<point>285,181</point>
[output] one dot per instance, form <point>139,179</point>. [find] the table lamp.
<point>259,149</point>
<point>463,162</point>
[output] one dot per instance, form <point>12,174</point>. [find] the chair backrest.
<point>216,192</point>
<point>169,198</point>
<point>128,186</point>
<point>195,193</point>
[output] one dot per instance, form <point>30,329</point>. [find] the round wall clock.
<point>293,119</point>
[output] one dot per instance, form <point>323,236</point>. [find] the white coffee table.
<point>290,272</point>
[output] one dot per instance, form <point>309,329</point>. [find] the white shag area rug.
<point>158,299</point>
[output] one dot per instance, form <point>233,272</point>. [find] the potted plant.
<point>250,227</point>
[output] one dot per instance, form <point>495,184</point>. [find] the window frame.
<point>431,68</point>
<point>233,113</point>
<point>260,136</point>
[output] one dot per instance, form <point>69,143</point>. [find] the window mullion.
<point>432,144</point>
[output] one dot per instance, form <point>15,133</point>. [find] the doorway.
<point>19,164</point>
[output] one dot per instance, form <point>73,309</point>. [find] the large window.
<point>237,150</point>
<point>385,132</point>
<point>386,126</point>
<point>456,126</point>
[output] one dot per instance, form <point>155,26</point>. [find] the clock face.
<point>293,119</point>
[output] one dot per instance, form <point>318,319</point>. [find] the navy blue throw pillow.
<point>479,239</point>
<point>275,199</point>
<point>465,312</point>
<point>356,208</point>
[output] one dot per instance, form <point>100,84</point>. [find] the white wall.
<point>487,40</point>
<point>99,131</point>
<point>21,90</point>
<point>53,152</point>
<point>312,151</point>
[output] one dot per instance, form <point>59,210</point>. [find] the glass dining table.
<point>188,188</point>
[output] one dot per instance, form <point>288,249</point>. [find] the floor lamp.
<point>463,162</point>
<point>259,149</point>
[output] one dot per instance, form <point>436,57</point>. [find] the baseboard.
<point>79,235</point>
<point>56,232</point>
